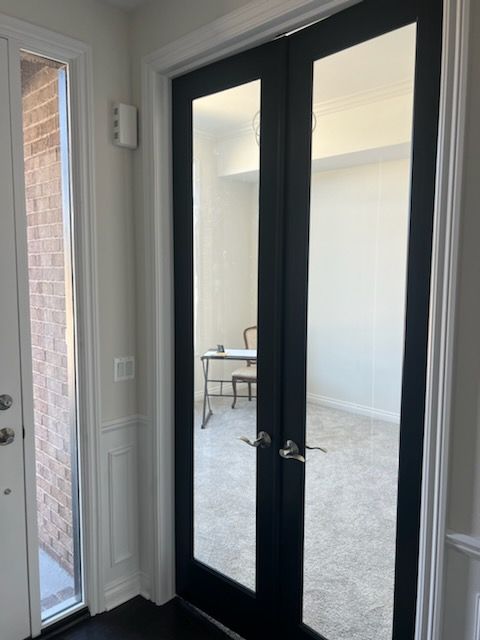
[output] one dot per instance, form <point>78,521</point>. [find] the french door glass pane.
<point>360,190</point>
<point>50,274</point>
<point>225,179</point>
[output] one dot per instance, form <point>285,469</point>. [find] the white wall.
<point>358,243</point>
<point>106,29</point>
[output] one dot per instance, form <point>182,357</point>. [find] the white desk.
<point>245,355</point>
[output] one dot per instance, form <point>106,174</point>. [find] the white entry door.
<point>14,602</point>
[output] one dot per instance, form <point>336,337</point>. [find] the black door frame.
<point>247,613</point>
<point>361,22</point>
<point>283,348</point>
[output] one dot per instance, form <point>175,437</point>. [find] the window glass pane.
<point>226,156</point>
<point>50,273</point>
<point>360,192</point>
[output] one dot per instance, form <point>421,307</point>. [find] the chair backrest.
<point>250,338</point>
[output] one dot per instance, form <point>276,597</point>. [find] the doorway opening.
<point>362,113</point>
<point>302,255</point>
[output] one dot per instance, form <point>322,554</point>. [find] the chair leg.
<point>249,391</point>
<point>234,385</point>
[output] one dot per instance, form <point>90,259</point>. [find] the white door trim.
<point>23,35</point>
<point>254,24</point>
<point>445,259</point>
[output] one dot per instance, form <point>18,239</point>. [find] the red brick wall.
<point>48,306</point>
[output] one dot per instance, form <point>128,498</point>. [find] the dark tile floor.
<point>139,619</point>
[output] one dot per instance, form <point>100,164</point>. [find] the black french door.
<point>304,178</point>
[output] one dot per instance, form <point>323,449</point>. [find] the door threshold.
<point>228,632</point>
<point>65,623</point>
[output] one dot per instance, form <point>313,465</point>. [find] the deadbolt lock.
<point>6,402</point>
<point>7,436</point>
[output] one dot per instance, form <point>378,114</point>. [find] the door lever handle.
<point>263,440</point>
<point>291,451</point>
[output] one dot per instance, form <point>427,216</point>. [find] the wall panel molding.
<point>464,543</point>
<point>123,485</point>
<point>120,481</point>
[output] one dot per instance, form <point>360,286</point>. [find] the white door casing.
<point>246,27</point>
<point>14,596</point>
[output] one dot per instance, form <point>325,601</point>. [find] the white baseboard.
<point>120,591</point>
<point>145,586</point>
<point>352,407</point>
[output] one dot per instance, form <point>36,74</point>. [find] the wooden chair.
<point>247,374</point>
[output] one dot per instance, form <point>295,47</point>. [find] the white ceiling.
<point>376,65</point>
<point>128,5</point>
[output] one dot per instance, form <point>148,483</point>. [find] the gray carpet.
<point>349,514</point>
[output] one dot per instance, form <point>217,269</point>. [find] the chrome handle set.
<point>291,451</point>
<point>263,440</point>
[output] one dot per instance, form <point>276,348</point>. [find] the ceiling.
<point>381,64</point>
<point>128,5</point>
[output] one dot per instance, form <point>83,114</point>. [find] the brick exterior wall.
<point>48,307</point>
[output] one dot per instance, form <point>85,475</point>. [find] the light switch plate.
<point>123,368</point>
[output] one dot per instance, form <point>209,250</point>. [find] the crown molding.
<point>326,107</point>
<point>255,23</point>
<point>360,98</point>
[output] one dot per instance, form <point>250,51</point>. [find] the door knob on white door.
<point>7,436</point>
<point>291,451</point>
<point>6,402</point>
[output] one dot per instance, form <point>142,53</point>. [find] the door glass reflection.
<point>360,189</point>
<point>225,178</point>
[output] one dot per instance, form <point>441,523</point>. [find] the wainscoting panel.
<point>125,512</point>
<point>462,595</point>
<point>121,499</point>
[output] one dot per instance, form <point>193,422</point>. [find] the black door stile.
<point>285,68</point>
<point>362,22</point>
<point>247,613</point>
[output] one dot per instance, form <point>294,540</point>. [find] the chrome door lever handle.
<point>7,436</point>
<point>291,451</point>
<point>263,440</point>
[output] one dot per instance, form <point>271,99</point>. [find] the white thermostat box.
<point>125,125</point>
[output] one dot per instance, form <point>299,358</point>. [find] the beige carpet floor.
<point>349,514</point>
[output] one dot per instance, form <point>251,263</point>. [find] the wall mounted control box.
<point>125,127</point>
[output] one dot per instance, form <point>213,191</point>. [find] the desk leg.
<point>206,398</point>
